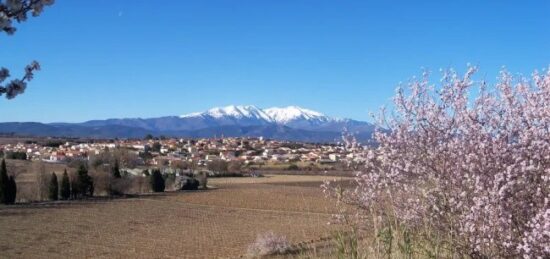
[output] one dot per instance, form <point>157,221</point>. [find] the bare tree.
<point>42,181</point>
<point>218,166</point>
<point>234,166</point>
<point>181,165</point>
<point>126,157</point>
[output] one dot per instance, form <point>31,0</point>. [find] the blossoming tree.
<point>471,173</point>
<point>18,10</point>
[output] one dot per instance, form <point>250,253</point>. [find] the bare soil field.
<point>216,223</point>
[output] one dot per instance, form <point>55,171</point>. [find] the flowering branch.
<point>17,10</point>
<point>17,86</point>
<point>473,173</point>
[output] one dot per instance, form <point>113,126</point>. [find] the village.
<point>251,153</point>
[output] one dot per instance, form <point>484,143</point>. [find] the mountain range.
<point>288,123</point>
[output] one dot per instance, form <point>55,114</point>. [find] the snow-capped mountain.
<point>276,115</point>
<point>287,123</point>
<point>292,113</point>
<point>291,116</point>
<point>233,111</point>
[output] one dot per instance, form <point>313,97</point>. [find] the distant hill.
<point>289,123</point>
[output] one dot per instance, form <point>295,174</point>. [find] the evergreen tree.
<point>156,147</point>
<point>54,188</point>
<point>84,183</point>
<point>12,190</point>
<point>157,181</point>
<point>4,182</point>
<point>74,188</point>
<point>115,170</point>
<point>65,186</point>
<point>191,184</point>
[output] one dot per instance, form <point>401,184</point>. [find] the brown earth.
<point>216,223</point>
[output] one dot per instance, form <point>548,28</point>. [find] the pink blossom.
<point>477,168</point>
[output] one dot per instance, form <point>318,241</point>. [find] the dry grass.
<point>219,222</point>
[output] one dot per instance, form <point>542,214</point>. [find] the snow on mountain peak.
<point>233,111</point>
<point>286,114</point>
<point>276,115</point>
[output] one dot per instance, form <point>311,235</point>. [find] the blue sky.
<point>117,58</point>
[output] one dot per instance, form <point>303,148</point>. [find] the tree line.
<point>79,186</point>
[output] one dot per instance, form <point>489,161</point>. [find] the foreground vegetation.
<point>455,178</point>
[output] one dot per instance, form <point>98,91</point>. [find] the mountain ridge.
<point>279,115</point>
<point>286,123</point>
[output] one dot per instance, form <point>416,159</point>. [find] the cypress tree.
<point>116,170</point>
<point>74,188</point>
<point>12,193</point>
<point>4,191</point>
<point>157,181</point>
<point>84,182</point>
<point>54,188</point>
<point>65,186</point>
<point>79,186</point>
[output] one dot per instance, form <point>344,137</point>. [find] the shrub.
<point>470,177</point>
<point>293,167</point>
<point>16,155</point>
<point>228,174</point>
<point>157,181</point>
<point>120,186</point>
<point>115,182</point>
<point>191,184</point>
<point>268,244</point>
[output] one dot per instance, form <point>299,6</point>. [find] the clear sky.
<point>118,58</point>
